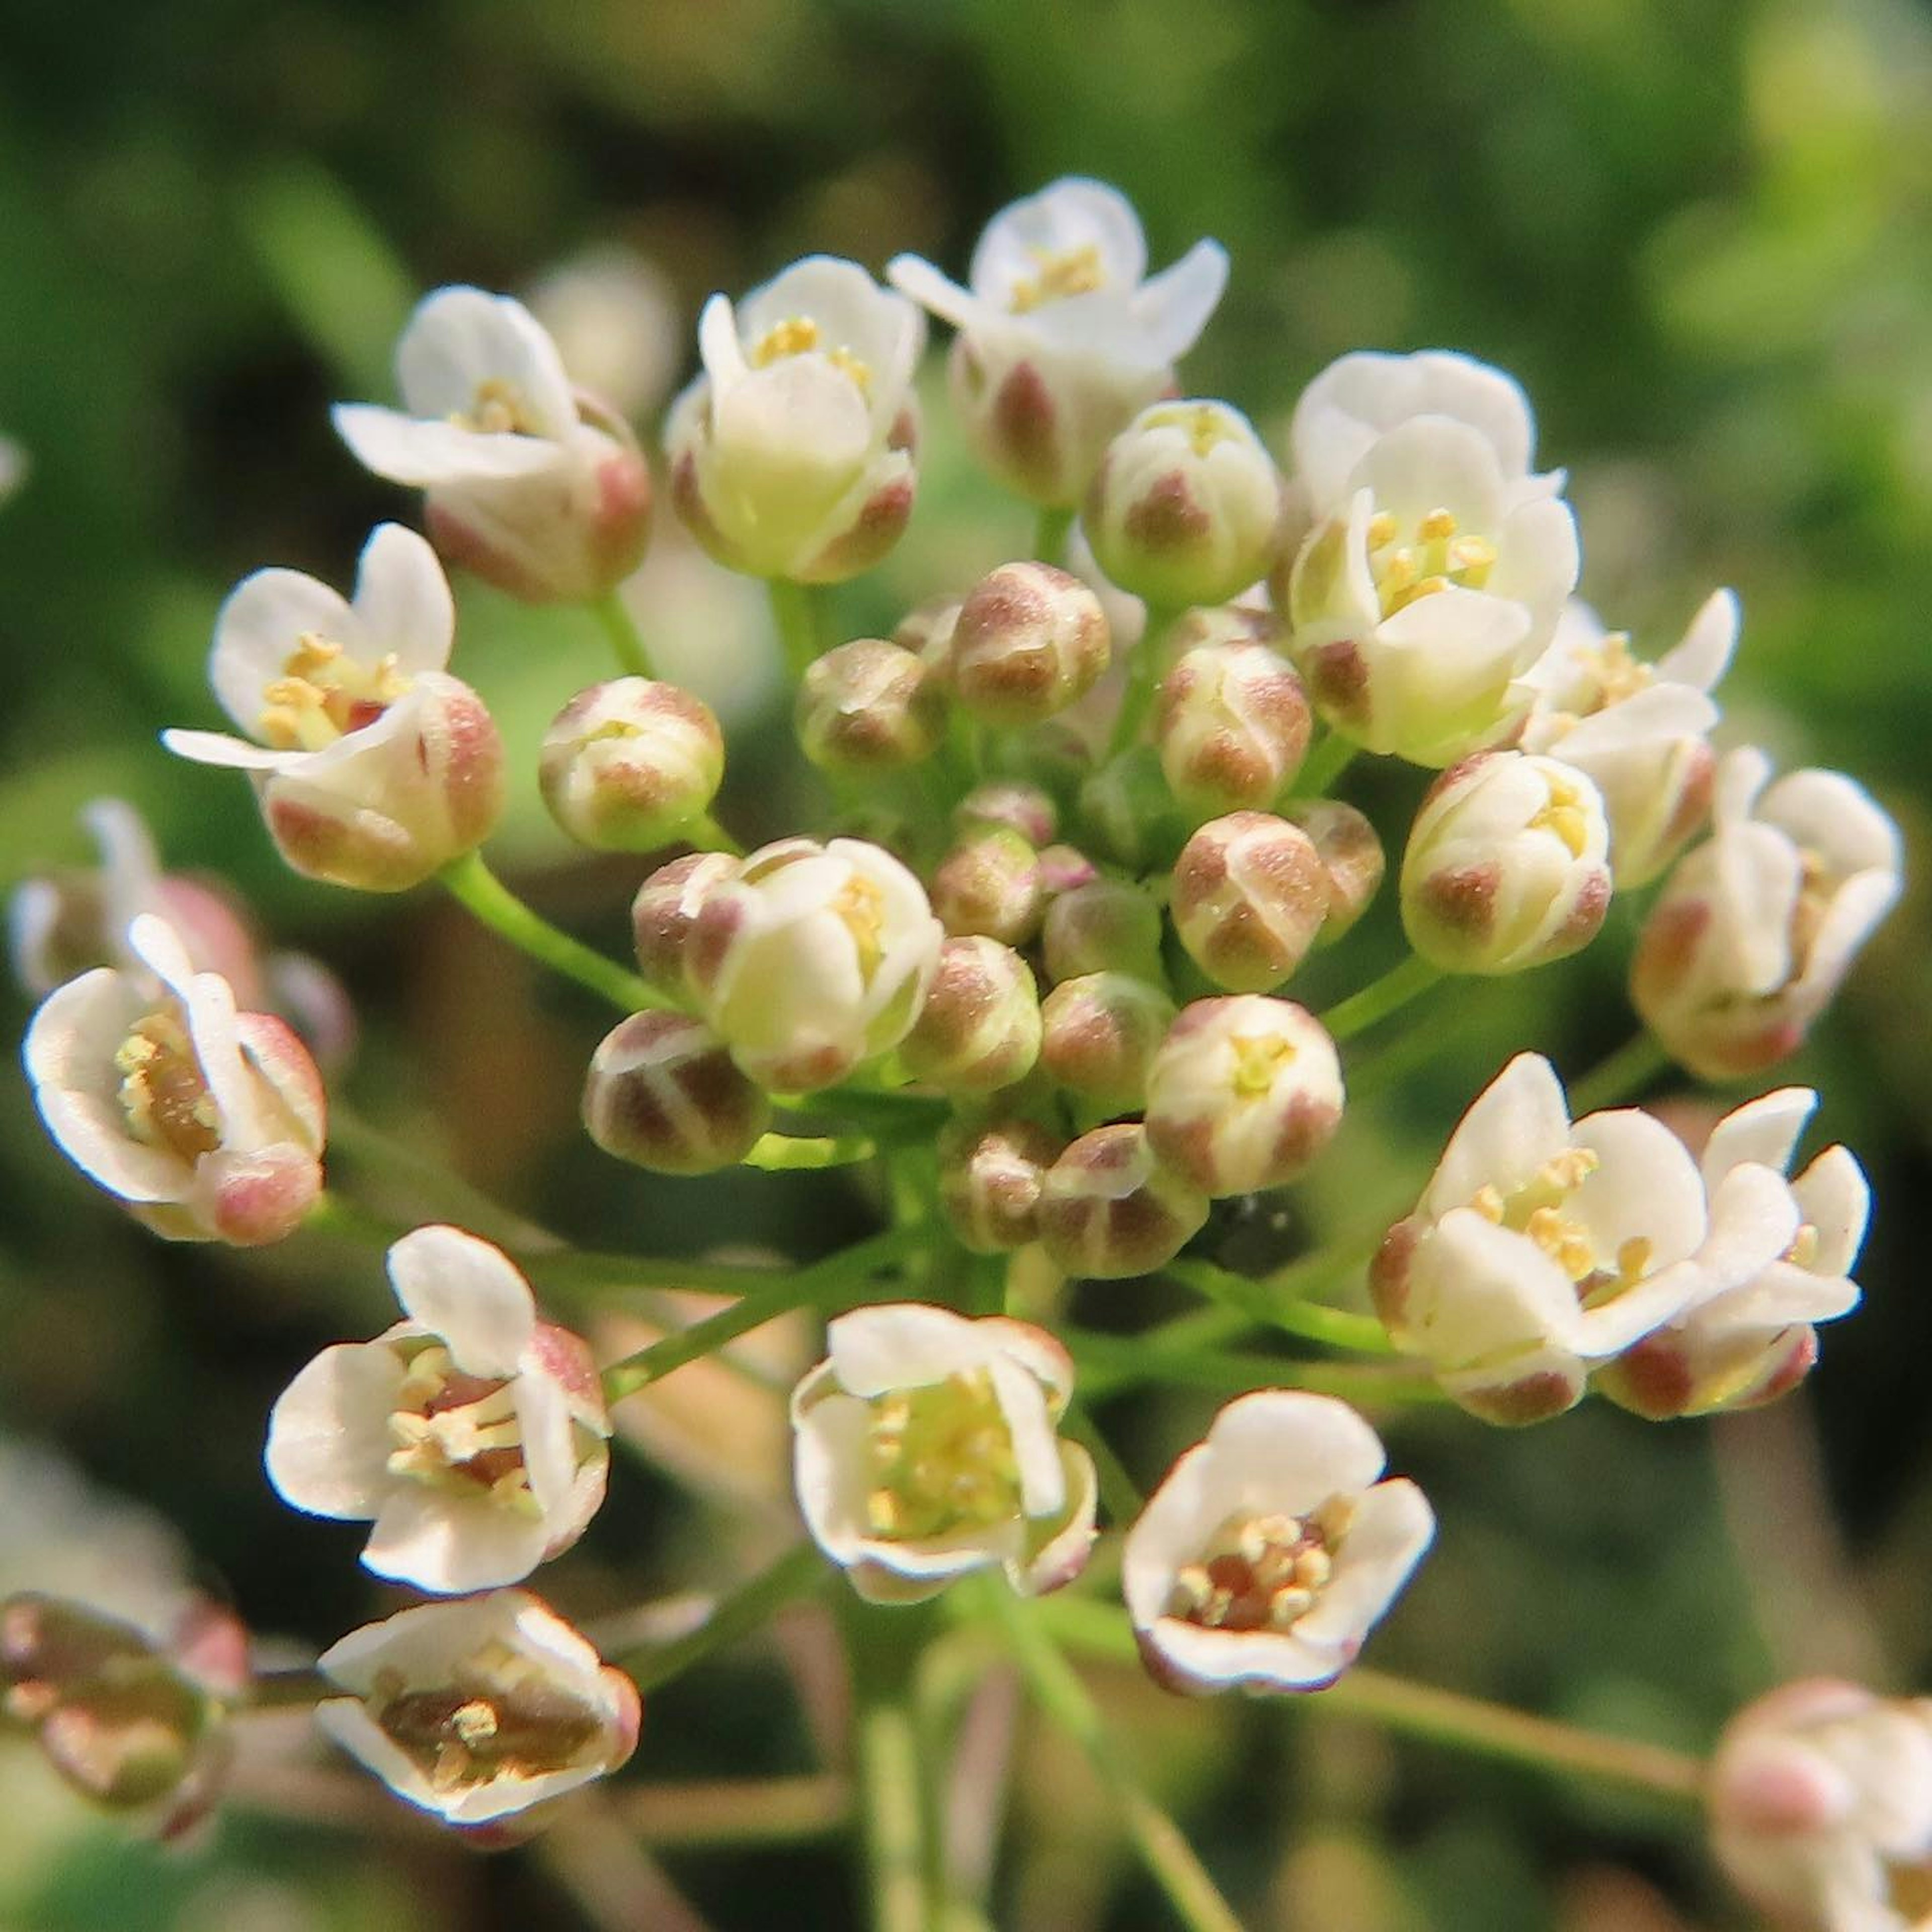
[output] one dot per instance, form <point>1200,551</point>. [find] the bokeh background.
<point>1700,231</point>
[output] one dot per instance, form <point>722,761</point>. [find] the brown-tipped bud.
<point>663,1092</point>
<point>1508,866</point>
<point>1023,808</point>
<point>1243,1094</point>
<point>1186,506</point>
<point>1029,640</point>
<point>869,706</point>
<point>1208,626</point>
<point>926,630</point>
<point>1107,926</point>
<point>1100,1034</point>
<point>979,1028</point>
<point>627,765</point>
<point>1249,894</point>
<point>1351,854</point>
<point>1065,868</point>
<point>990,1176</point>
<point>1109,1209</point>
<point>1129,810</point>
<point>1231,723</point>
<point>989,883</point>
<point>667,905</point>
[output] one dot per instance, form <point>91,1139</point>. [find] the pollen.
<point>940,1459</point>
<point>1263,1572</point>
<point>163,1094</point>
<point>1057,275</point>
<point>1565,816</point>
<point>323,693</point>
<point>459,1432</point>
<point>1438,556</point>
<point>499,408</point>
<point>861,906</point>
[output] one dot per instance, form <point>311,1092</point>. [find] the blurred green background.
<point>1700,231</point>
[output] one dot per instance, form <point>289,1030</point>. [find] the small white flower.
<point>926,1449</point>
<point>1063,335</point>
<point>1271,1549</point>
<point>792,455</point>
<point>538,490</point>
<point>1755,1341</point>
<point>1755,928</point>
<point>477,1710</point>
<point>374,769</point>
<point>206,1123</point>
<point>471,1433</point>
<point>1540,1247</point>
<point>1820,1801</point>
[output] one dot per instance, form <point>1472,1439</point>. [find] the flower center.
<point>1565,815</point>
<point>799,335</point>
<point>322,693</point>
<point>1616,674</point>
<point>499,408</point>
<point>941,1460</point>
<point>1262,1573</point>
<point>1057,275</point>
<point>1259,1058</point>
<point>1204,427</point>
<point>861,905</point>
<point>458,1432</point>
<point>164,1092</point>
<point>499,1718</point>
<point>1538,1211</point>
<point>1435,556</point>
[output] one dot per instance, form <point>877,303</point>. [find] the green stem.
<point>1324,767</point>
<point>471,881</point>
<point>706,834</point>
<point>1228,1373</point>
<point>800,614</point>
<point>1335,1328</point>
<point>332,1214</point>
<point>1626,1074</point>
<point>1049,536</point>
<point>627,644</point>
<point>1199,1328</point>
<point>1143,676</point>
<point>797,1573</point>
<point>1380,997</point>
<point>1119,1493</point>
<point>898,1810</point>
<point>786,1153</point>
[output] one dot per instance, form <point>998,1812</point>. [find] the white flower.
<point>1755,1341</point>
<point>471,1433</point>
<point>1063,336</point>
<point>1638,730</point>
<point>926,1449</point>
<point>374,769</point>
<point>206,1123</point>
<point>1270,1549</point>
<point>810,959</point>
<point>1540,1247</point>
<point>479,1709</point>
<point>1755,928</point>
<point>1820,1801</point>
<point>538,489</point>
<point>792,455</point>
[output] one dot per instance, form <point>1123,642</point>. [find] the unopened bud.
<point>1507,864</point>
<point>663,1092</point>
<point>979,1029</point>
<point>926,630</point>
<point>1107,926</point>
<point>1101,1032</point>
<point>1029,640</point>
<point>869,706</point>
<point>989,883</point>
<point>1130,811</point>
<point>990,1176</point>
<point>1023,808</point>
<point>1250,894</point>
<point>1232,725</point>
<point>664,909</point>
<point>1065,868</point>
<point>627,765</point>
<point>1109,1209</point>
<point>1351,854</point>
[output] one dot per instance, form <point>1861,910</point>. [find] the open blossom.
<point>478,1710</point>
<point>926,1449</point>
<point>1639,731</point>
<point>1541,1247</point>
<point>373,768</point>
<point>1271,1549</point>
<point>792,455</point>
<point>536,487</point>
<point>1755,928</point>
<point>1820,1798</point>
<point>472,1434</point>
<point>1755,1342</point>
<point>1063,336</point>
<point>205,1122</point>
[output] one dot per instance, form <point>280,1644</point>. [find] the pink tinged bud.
<point>1109,1209</point>
<point>1100,1033</point>
<point>990,1177</point>
<point>1022,808</point>
<point>869,706</point>
<point>665,909</point>
<point>1243,1094</point>
<point>1351,854</point>
<point>626,765</point>
<point>1107,926</point>
<point>1507,866</point>
<point>1029,640</point>
<point>1249,893</point>
<point>1232,725</point>
<point>979,1029</point>
<point>1185,507</point>
<point>662,1092</point>
<point>1065,868</point>
<point>989,883</point>
<point>926,630</point>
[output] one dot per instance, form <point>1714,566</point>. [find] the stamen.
<point>941,1458</point>
<point>1074,271</point>
<point>324,692</point>
<point>164,1092</point>
<point>1262,1572</point>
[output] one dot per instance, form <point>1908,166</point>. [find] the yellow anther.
<point>499,408</point>
<point>1803,1252</point>
<point>474,1723</point>
<point>941,1457</point>
<point>322,693</point>
<point>1569,823</point>
<point>1470,560</point>
<point>1487,1201</point>
<point>1634,1258</point>
<point>1436,558</point>
<point>164,1094</point>
<point>1438,526</point>
<point>1615,672</point>
<point>1569,1169</point>
<point>1382,530</point>
<point>1566,1242</point>
<point>1072,271</point>
<point>797,335</point>
<point>861,905</point>
<point>859,371</point>
<point>1258,1060</point>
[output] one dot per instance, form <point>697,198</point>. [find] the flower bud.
<point>1507,866</point>
<point>1100,1034</point>
<point>1107,926</point>
<point>1065,868</point>
<point>989,883</point>
<point>1242,1094</point>
<point>1129,811</point>
<point>1023,808</point>
<point>1108,1209</point>
<point>1231,723</point>
<point>926,630</point>
<point>663,1092</point>
<point>979,1028</point>
<point>1249,893</point>
<point>1351,854</point>
<point>627,765</point>
<point>990,1176</point>
<point>664,911</point>
<point>1186,506</point>
<point>1029,640</point>
<point>867,706</point>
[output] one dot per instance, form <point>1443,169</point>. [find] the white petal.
<point>718,345</point>
<point>1290,1450</point>
<point>1035,1450</point>
<point>461,339</point>
<point>328,1433</point>
<point>550,1455</point>
<point>217,747</point>
<point>347,1722</point>
<point>403,598</point>
<point>1836,817</point>
<point>468,1292</point>
<point>259,627</point>
<point>1765,1130</point>
<point>1071,213</point>
<point>1481,1294</point>
<point>1704,655</point>
<point>1834,1198</point>
<point>1646,1187</point>
<point>1168,1533</point>
<point>1392,1527</point>
<point>1173,306</point>
<point>900,1345</point>
<point>419,454</point>
<point>451,1544</point>
<point>1754,1218</point>
<point>1219,1660</point>
<point>1519,1122</point>
<point>830,1472</point>
<point>916,277</point>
